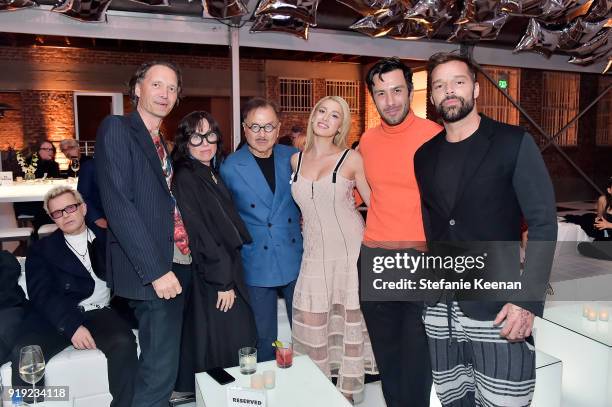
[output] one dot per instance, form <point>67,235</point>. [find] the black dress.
<point>211,338</point>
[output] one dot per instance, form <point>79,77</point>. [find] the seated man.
<point>69,298</point>
<point>70,148</point>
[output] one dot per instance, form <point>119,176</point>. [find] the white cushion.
<point>15,233</point>
<point>47,229</point>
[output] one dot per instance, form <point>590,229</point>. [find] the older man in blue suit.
<point>258,177</point>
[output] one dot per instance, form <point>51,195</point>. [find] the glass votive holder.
<point>586,308</point>
<point>604,315</point>
<point>247,357</point>
<point>257,381</point>
<point>269,377</point>
<point>284,355</point>
<point>592,315</point>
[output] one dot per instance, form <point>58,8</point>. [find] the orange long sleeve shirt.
<point>394,215</point>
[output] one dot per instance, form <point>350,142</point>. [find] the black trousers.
<point>399,342</point>
<point>112,336</point>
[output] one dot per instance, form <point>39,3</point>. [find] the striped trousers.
<point>472,365</point>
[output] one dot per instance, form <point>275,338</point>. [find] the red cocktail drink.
<point>284,356</point>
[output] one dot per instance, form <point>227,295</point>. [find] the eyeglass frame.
<point>203,136</point>
<point>65,210</point>
<point>260,127</point>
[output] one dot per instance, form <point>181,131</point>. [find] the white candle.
<point>592,316</point>
<point>603,315</point>
<point>269,379</point>
<point>257,381</point>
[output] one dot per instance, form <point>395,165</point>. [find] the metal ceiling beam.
<point>183,29</point>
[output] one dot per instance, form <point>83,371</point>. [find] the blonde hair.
<point>61,190</point>
<point>342,135</point>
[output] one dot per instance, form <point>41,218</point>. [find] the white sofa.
<point>85,371</point>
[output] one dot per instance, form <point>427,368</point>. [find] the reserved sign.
<point>245,397</point>
<point>6,177</point>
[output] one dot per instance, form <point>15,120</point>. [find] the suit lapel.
<point>281,176</point>
<point>477,154</point>
<point>143,138</point>
<point>431,190</point>
<point>253,177</point>
<point>60,254</point>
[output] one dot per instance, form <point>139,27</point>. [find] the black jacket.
<point>503,180</point>
<point>57,281</point>
<point>137,204</point>
<point>216,234</point>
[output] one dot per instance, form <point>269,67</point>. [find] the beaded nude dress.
<point>327,322</point>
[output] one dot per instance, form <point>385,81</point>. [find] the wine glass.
<point>75,165</point>
<point>31,366</point>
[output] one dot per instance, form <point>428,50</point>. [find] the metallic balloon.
<point>221,9</point>
<point>479,31</point>
<point>560,11</point>
<point>91,11</point>
<point>599,46</point>
<point>304,10</point>
<point>538,39</point>
<point>280,23</point>
<point>409,30</point>
<point>429,14</point>
<point>367,7</point>
<point>600,9</point>
<point>153,2</point>
<point>608,65</point>
<point>382,22</point>
<point>478,11</point>
<point>10,5</point>
<point>578,33</point>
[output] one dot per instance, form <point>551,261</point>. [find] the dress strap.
<point>297,170</point>
<point>340,161</point>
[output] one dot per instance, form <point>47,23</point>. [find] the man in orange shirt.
<point>394,222</point>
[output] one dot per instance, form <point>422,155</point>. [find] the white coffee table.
<point>584,347</point>
<point>302,385</point>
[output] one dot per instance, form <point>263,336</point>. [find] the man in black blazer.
<point>65,277</point>
<point>147,244</point>
<point>478,178</point>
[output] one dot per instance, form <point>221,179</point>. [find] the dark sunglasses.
<point>197,139</point>
<point>68,209</point>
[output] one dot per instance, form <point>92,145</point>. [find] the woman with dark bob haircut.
<point>218,317</point>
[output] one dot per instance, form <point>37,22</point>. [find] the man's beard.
<point>453,114</point>
<point>394,122</point>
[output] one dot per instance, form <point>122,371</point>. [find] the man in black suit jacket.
<point>147,243</point>
<point>477,179</point>
<point>65,277</point>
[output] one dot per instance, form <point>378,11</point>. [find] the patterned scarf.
<point>180,234</point>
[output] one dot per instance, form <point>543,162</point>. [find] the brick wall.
<point>50,55</point>
<point>594,161</point>
<point>11,127</point>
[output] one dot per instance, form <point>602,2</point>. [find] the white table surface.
<point>302,385</point>
<point>569,316</point>
<point>28,191</point>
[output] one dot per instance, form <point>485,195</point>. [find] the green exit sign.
<point>502,81</point>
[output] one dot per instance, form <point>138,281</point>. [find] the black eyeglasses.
<point>46,149</point>
<point>68,209</point>
<point>197,139</point>
<point>255,128</point>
